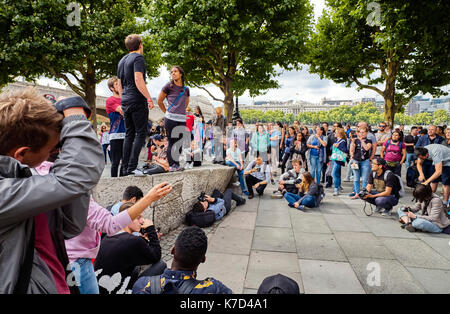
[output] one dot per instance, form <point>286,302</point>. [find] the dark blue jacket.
<point>171,279</point>
<point>424,140</point>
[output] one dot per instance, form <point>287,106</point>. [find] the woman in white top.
<point>234,159</point>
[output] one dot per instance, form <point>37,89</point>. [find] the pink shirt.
<point>87,244</point>
<point>393,152</point>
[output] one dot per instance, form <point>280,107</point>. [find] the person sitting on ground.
<point>434,216</point>
<point>121,254</point>
<point>308,193</point>
<point>193,155</point>
<point>188,252</point>
<point>383,187</point>
<point>160,162</point>
<point>132,194</point>
<point>219,203</point>
<point>433,164</point>
<point>234,159</point>
<point>257,175</point>
<point>290,179</point>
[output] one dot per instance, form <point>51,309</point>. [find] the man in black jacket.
<point>120,255</point>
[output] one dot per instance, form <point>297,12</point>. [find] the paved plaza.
<point>333,249</point>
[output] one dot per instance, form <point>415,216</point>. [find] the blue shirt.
<point>314,152</point>
<point>275,142</point>
<point>173,279</point>
<point>219,208</point>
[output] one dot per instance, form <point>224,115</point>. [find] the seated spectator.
<point>383,187</point>
<point>234,159</point>
<point>160,163</point>
<point>120,255</point>
<point>189,251</point>
<point>219,203</point>
<point>278,284</point>
<point>257,175</point>
<point>308,193</point>
<point>194,155</point>
<point>433,164</point>
<point>290,179</point>
<point>433,217</point>
<point>132,194</point>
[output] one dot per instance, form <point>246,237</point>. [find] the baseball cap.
<point>278,284</point>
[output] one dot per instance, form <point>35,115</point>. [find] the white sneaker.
<point>386,213</point>
<point>237,183</point>
<point>138,173</point>
<point>336,192</point>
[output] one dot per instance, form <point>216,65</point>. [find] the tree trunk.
<point>389,94</point>
<point>228,104</point>
<point>90,100</point>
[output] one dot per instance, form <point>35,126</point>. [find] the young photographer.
<point>257,175</point>
<point>181,278</point>
<point>433,164</point>
<point>383,187</point>
<point>121,254</point>
<point>39,212</point>
<point>289,180</point>
<point>433,217</point>
<point>219,203</point>
<point>308,193</point>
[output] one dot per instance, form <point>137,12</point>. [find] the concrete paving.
<point>334,249</point>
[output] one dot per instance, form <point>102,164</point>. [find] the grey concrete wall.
<point>171,210</point>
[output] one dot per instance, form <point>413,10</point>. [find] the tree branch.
<point>211,95</point>
<point>367,86</point>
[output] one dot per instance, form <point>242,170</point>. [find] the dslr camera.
<point>363,193</point>
<point>297,181</point>
<point>202,197</point>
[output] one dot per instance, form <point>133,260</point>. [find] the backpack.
<point>401,193</point>
<point>412,174</point>
<point>321,194</point>
<point>186,286</point>
<point>202,219</point>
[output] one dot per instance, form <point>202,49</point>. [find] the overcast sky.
<point>298,85</point>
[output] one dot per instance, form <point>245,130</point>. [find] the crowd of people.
<point>50,159</point>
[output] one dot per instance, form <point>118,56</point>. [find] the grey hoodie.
<point>63,195</point>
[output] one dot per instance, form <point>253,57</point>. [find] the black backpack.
<point>186,286</point>
<point>200,219</point>
<point>412,175</point>
<point>321,194</point>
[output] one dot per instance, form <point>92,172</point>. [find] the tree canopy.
<point>37,39</point>
<point>232,44</point>
<point>405,47</point>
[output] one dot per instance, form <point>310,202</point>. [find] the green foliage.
<point>232,44</point>
<point>36,40</point>
<point>441,116</point>
<point>407,51</point>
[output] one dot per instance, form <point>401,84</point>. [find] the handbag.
<point>338,155</point>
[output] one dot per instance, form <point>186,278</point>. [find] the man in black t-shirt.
<point>117,262</point>
<point>410,142</point>
<point>383,187</point>
<point>136,102</point>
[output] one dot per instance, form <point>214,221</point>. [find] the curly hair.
<point>190,247</point>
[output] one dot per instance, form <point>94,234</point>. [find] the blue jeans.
<point>410,157</point>
<point>386,202</point>
<point>308,201</point>
<point>84,274</point>
<point>336,174</point>
<point>364,171</point>
<point>316,168</point>
<point>240,175</point>
<point>422,224</point>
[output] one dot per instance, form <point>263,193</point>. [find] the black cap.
<point>278,284</point>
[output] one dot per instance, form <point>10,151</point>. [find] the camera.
<point>363,193</point>
<point>297,181</point>
<point>202,197</point>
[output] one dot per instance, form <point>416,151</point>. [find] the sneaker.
<point>410,228</point>
<point>138,173</point>
<point>341,189</point>
<point>175,168</point>
<point>277,195</point>
<point>246,193</point>
<point>301,207</point>
<point>236,183</point>
<point>352,194</point>
<point>386,213</point>
<point>336,192</point>
<point>379,209</point>
<point>346,180</point>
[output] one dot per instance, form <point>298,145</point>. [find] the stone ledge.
<point>171,210</point>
